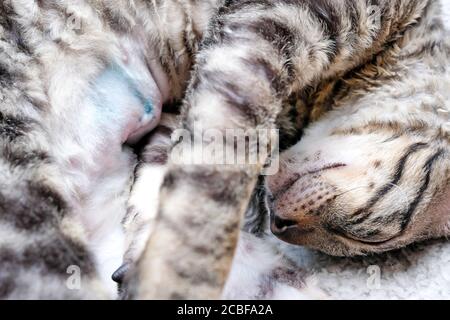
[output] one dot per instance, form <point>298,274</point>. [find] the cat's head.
<point>362,186</point>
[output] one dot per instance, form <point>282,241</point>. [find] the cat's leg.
<point>144,198</point>
<point>255,55</point>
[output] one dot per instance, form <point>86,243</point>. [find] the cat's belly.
<point>126,99</point>
<point>120,104</point>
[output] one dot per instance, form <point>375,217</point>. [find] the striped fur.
<point>373,174</point>
<point>272,50</point>
<point>241,62</point>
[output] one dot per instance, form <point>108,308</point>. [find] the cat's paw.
<point>144,199</point>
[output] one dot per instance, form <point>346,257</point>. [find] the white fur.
<point>144,201</point>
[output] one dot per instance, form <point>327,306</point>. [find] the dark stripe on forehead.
<point>406,216</point>
<point>362,214</point>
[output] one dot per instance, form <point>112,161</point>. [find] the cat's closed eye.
<point>363,190</point>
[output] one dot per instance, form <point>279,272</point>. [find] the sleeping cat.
<point>301,53</point>
<point>80,78</point>
<point>374,174</point>
<point>339,190</point>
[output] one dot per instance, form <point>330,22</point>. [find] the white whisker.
<point>353,189</point>
<point>402,192</point>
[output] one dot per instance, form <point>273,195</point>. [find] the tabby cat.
<point>78,79</point>
<point>337,188</point>
<point>374,174</point>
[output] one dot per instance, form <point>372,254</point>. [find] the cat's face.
<point>369,187</point>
